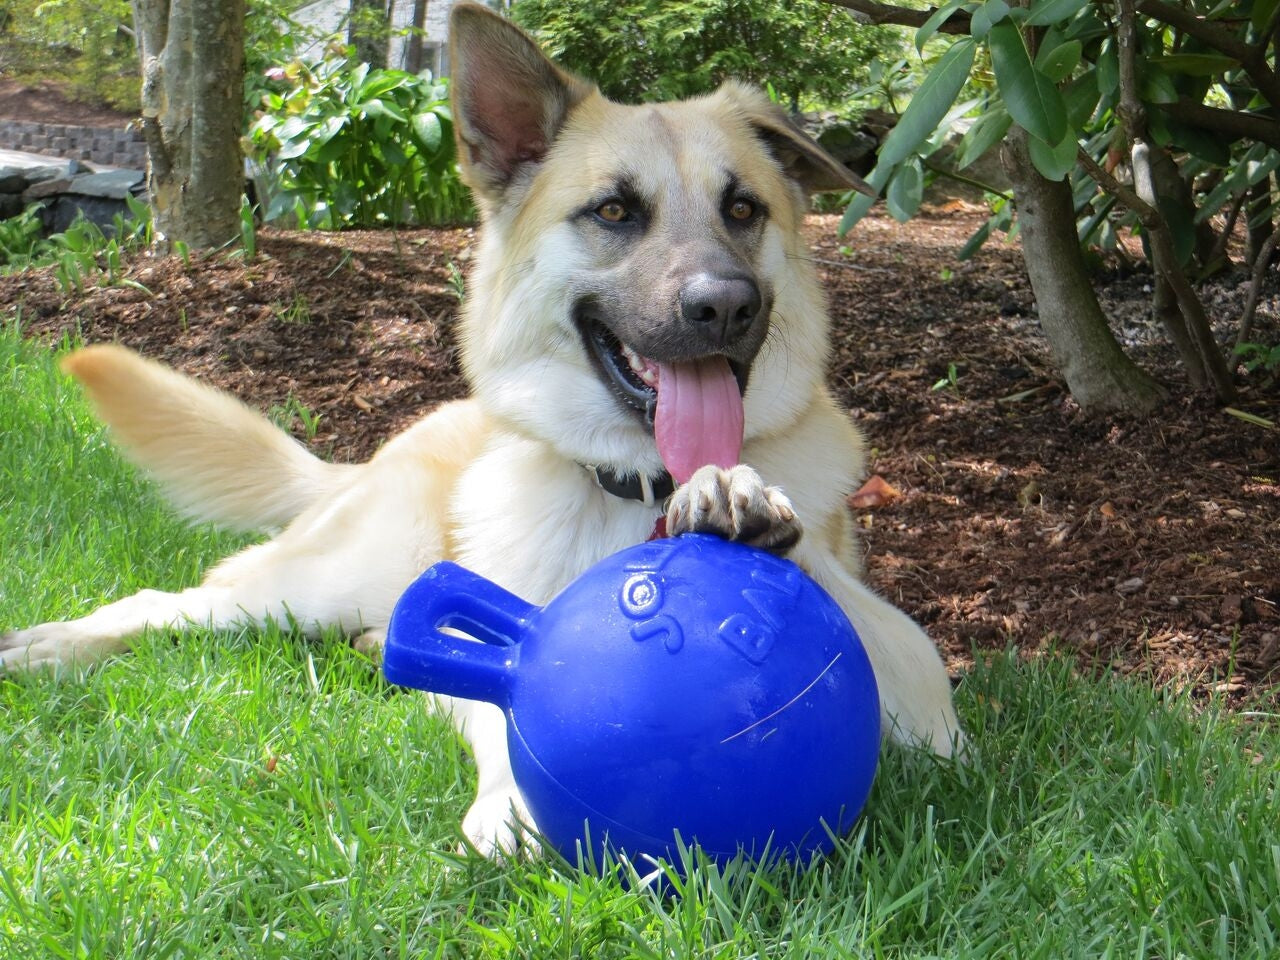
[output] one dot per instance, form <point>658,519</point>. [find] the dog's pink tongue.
<point>699,416</point>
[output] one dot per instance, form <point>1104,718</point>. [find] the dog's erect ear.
<point>802,159</point>
<point>509,100</point>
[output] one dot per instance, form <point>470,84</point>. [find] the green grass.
<point>262,796</point>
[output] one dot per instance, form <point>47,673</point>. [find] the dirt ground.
<point>48,105</point>
<point>1144,545</point>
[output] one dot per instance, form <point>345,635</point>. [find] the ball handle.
<point>420,653</point>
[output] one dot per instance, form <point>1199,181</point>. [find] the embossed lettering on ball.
<point>689,686</point>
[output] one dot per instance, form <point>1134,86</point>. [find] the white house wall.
<point>329,17</point>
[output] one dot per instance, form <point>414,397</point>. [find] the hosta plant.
<point>351,146</point>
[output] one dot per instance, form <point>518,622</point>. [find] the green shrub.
<point>1257,356</point>
<point>85,48</point>
<point>81,253</point>
<point>350,146</point>
<point>19,239</point>
<point>807,51</point>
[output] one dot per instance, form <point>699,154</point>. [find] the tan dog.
<point>641,308</point>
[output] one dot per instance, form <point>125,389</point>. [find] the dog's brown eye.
<point>612,211</point>
<point>742,209</point>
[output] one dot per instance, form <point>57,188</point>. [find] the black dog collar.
<point>650,491</point>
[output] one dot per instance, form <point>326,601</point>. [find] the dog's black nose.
<point>721,307</point>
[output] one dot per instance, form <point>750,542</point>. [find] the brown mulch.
<point>47,104</point>
<point>1146,545</point>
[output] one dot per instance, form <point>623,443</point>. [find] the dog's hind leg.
<point>915,693</point>
<point>342,562</point>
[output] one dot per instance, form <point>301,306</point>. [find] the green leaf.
<point>381,108</point>
<point>1182,229</point>
<point>1259,161</point>
<point>394,155</point>
<point>1194,64</point>
<point>1087,228</point>
<point>929,105</point>
<point>862,203</point>
<point>1261,167</point>
<point>1200,143</point>
<point>355,88</point>
<point>1108,69</point>
<point>326,131</point>
<point>987,16</point>
<point>975,242</point>
<point>1263,11</point>
<point>1054,162</point>
<point>428,130</point>
<point>290,128</point>
<point>1045,12</point>
<point>918,121</point>
<point>331,151</point>
<point>289,149</point>
<point>1081,97</point>
<point>1158,129</point>
<point>1057,64</point>
<point>1158,87</point>
<point>906,190</point>
<point>935,22</point>
<point>384,81</point>
<point>1253,418</point>
<point>983,135</point>
<point>1030,97</point>
<point>937,140</point>
<point>1088,26</point>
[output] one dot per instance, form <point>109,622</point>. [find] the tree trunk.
<point>1099,374</point>
<point>1145,200</point>
<point>413,47</point>
<point>367,31</point>
<point>192,54</point>
<point>1178,204</point>
<point>1165,308</point>
<point>1258,218</point>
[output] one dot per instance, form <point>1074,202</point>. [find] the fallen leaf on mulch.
<point>876,492</point>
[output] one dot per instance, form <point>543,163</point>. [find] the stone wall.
<point>106,146</point>
<point>65,189</point>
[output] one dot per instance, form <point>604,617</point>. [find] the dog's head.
<point>641,294</point>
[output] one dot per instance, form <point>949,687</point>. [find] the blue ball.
<point>687,687</point>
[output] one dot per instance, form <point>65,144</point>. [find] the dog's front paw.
<point>46,647</point>
<point>734,504</point>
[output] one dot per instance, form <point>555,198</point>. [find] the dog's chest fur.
<point>531,521</point>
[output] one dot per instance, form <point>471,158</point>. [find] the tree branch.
<point>880,13</point>
<point>1142,199</point>
<point>1219,253</point>
<point>1206,31</point>
<point>1253,59</point>
<point>1255,287</point>
<point>961,178</point>
<point>1236,124</point>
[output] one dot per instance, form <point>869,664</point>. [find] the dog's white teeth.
<point>644,368</point>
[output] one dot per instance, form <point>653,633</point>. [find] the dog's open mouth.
<point>633,378</point>
<point>694,406</point>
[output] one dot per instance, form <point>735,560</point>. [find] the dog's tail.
<point>215,458</point>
